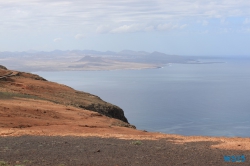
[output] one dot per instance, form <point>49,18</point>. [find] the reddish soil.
<point>4,72</point>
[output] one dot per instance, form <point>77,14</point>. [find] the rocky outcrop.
<point>3,67</point>
<point>32,76</point>
<point>107,110</point>
<point>110,111</point>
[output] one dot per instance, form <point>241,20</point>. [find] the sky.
<point>186,27</point>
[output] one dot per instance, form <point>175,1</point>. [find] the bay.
<point>209,99</point>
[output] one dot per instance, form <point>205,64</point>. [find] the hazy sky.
<point>185,27</point>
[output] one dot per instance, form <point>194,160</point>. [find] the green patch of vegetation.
<point>10,95</point>
<point>27,161</point>
<point>136,143</point>
<point>3,163</point>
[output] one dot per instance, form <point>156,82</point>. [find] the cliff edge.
<point>31,86</point>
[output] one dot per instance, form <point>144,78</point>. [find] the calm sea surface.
<point>188,99</point>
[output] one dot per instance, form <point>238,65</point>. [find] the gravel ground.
<point>95,151</point>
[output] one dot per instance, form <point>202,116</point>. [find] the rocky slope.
<point>30,86</point>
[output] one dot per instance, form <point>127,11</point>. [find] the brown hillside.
<point>30,103</point>
<point>37,87</point>
<point>3,72</point>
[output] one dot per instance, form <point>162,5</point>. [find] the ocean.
<point>209,99</point>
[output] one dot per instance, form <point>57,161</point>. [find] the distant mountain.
<point>92,52</point>
<point>81,52</point>
<point>91,59</point>
<point>110,53</point>
<point>159,55</point>
<point>134,53</point>
<point>87,59</point>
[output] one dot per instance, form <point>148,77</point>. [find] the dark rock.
<point>107,110</point>
<point>123,124</point>
<point>3,67</point>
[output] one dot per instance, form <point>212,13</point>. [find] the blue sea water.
<point>190,99</point>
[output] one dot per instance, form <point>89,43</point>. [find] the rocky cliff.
<point>34,86</point>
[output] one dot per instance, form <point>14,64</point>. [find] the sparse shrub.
<point>3,163</point>
<point>136,143</point>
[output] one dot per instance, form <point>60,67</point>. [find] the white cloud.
<point>57,40</point>
<point>246,30</point>
<point>170,26</point>
<point>73,14</point>
<point>80,36</point>
<point>149,28</point>
<point>126,29</point>
<point>38,20</point>
<point>123,28</point>
<point>246,21</point>
<point>103,29</point>
<point>205,32</point>
<point>225,30</point>
<point>183,26</point>
<point>205,22</point>
<point>223,21</point>
<point>163,27</point>
<point>138,27</point>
